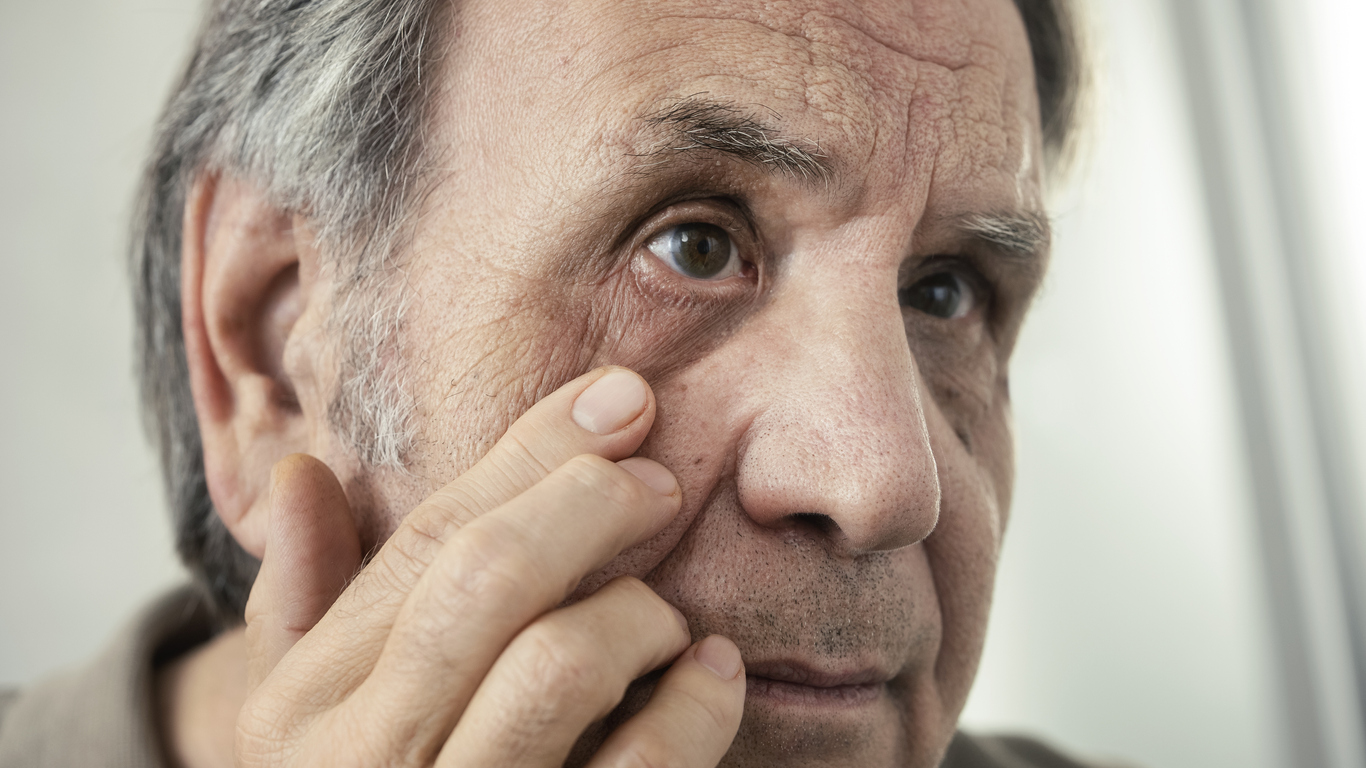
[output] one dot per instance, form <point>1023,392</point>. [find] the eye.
<point>943,294</point>
<point>696,250</point>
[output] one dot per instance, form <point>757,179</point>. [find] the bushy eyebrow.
<point>697,123</point>
<point>1020,235</point>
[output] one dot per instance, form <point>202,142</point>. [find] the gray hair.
<point>322,103</point>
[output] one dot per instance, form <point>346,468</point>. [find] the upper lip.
<point>799,673</point>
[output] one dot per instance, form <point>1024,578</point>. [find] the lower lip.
<point>811,695</point>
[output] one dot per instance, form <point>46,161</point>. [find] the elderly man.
<point>611,383</point>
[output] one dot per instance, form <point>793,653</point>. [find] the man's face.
<point>807,225</point>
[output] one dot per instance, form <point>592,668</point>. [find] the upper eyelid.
<point>735,222</point>
<point>961,265</point>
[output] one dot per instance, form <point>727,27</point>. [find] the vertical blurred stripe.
<point>1281,279</point>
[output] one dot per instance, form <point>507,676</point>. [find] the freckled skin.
<point>846,463</point>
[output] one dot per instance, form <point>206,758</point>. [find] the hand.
<point>449,648</point>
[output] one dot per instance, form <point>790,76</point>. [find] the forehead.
<point>893,93</point>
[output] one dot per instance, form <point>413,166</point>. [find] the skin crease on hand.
<point>846,462</point>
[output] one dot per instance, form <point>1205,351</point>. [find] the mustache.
<point>785,594</point>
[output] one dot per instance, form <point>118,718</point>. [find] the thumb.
<point>312,551</point>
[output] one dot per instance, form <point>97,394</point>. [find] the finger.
<point>692,717</point>
<point>497,576</point>
<point>561,673</point>
<point>605,413</point>
<point>312,550</point>
<point>617,408</point>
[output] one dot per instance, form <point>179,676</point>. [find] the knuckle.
<point>433,522</point>
<point>487,569</point>
<point>562,662</point>
<point>643,599</point>
<point>604,479</point>
<point>519,443</point>
<point>361,745</point>
<point>260,742</point>
<point>403,559</point>
<point>265,728</point>
<point>382,582</point>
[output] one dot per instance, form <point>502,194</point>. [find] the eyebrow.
<point>699,124</point>
<point>696,123</point>
<point>1019,235</point>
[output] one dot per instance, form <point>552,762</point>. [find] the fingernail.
<point>720,656</point>
<point>682,621</point>
<point>652,474</point>
<point>610,403</point>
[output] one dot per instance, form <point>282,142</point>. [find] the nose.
<point>839,436</point>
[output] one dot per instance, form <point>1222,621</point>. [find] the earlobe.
<point>241,300</point>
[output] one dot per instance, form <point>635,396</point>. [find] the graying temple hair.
<point>322,104</point>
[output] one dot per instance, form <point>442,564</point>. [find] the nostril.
<point>814,521</point>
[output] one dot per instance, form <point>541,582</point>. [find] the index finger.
<point>606,412</point>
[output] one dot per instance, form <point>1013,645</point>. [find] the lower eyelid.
<point>658,283</point>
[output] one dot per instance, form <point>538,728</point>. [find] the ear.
<point>249,272</point>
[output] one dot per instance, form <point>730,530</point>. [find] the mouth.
<point>790,682</point>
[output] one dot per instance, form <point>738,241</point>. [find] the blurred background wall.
<point>84,535</point>
<point>1132,618</point>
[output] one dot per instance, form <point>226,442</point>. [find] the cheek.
<point>963,552</point>
<point>661,325</point>
<point>675,339</point>
<point>484,345</point>
<point>962,373</point>
<point>971,405</point>
<point>694,435</point>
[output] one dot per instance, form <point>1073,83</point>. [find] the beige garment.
<point>103,715</point>
<point>1009,752</point>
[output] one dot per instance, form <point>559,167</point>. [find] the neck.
<point>198,698</point>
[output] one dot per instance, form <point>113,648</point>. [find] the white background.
<point>1130,619</point>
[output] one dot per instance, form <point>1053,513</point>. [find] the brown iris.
<point>698,250</point>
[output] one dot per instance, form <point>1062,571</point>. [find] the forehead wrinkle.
<point>824,68</point>
<point>816,56</point>
<point>944,39</point>
<point>823,79</point>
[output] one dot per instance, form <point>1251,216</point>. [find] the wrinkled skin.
<point>846,462</point>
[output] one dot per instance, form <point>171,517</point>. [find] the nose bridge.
<point>841,429</point>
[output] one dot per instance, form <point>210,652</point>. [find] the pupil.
<point>701,250</point>
<point>937,295</point>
